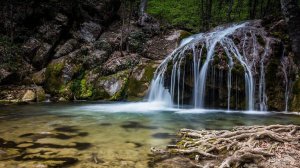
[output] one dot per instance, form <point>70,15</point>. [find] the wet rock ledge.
<point>275,146</point>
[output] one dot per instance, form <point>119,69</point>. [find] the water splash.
<point>194,58</point>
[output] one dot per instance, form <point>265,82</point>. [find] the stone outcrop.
<point>81,50</point>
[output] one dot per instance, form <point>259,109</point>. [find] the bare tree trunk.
<point>291,13</point>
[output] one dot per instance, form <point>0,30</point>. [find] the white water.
<point>143,6</point>
<point>170,77</point>
<point>286,72</point>
<point>145,107</point>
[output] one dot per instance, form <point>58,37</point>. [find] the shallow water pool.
<point>99,134</point>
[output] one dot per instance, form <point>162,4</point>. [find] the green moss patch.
<point>295,104</point>
<point>137,88</point>
<point>53,76</point>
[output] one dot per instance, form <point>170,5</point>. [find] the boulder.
<point>29,96</point>
<point>53,75</point>
<point>4,74</point>
<point>149,24</point>
<point>112,87</point>
<point>40,94</point>
<point>95,58</point>
<point>140,80</point>
<point>59,74</point>
<point>89,32</point>
<point>66,48</point>
<point>104,45</point>
<point>62,99</point>
<point>160,46</point>
<point>295,102</point>
<point>39,77</point>
<point>41,57</point>
<point>51,32</point>
<point>62,19</point>
<point>136,41</point>
<point>120,61</point>
<point>30,47</point>
<point>118,34</point>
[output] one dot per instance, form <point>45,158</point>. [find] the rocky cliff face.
<point>78,50</point>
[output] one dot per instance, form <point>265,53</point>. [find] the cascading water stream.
<point>286,71</point>
<point>143,6</point>
<point>193,59</point>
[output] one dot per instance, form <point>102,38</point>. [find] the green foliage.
<point>181,13</point>
<point>196,15</point>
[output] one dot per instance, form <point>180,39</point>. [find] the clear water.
<point>110,134</point>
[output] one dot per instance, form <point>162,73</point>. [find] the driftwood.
<point>246,146</point>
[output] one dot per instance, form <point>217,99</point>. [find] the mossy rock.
<point>136,41</point>
<point>103,45</point>
<point>121,94</point>
<point>53,76</point>
<point>60,74</point>
<point>40,94</point>
<point>295,103</point>
<point>39,77</point>
<point>140,81</point>
<point>81,88</point>
<point>184,34</point>
<point>112,87</point>
<point>65,91</point>
<point>99,93</point>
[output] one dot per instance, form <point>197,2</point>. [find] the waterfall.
<point>142,14</point>
<point>194,58</point>
<point>143,6</point>
<point>286,71</point>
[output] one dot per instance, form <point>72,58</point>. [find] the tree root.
<point>265,146</point>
